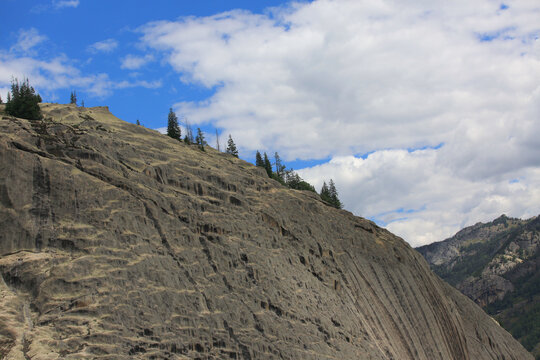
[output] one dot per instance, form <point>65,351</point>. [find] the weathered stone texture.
<point>118,242</point>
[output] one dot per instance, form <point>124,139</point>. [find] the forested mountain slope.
<point>497,264</point>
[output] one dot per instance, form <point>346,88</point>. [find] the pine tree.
<point>267,165</point>
<point>280,168</point>
<point>258,159</point>
<point>294,181</point>
<point>325,193</point>
<point>173,130</point>
<point>73,98</point>
<point>23,102</point>
<point>1,102</point>
<point>200,139</point>
<point>334,195</point>
<point>231,147</point>
<point>138,122</point>
<point>330,195</point>
<point>188,139</point>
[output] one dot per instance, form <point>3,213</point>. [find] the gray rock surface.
<point>118,242</point>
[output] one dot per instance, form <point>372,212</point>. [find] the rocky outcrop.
<point>486,289</point>
<point>462,244</point>
<point>497,265</point>
<point>118,242</point>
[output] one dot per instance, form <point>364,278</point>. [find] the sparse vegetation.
<point>292,180</point>
<point>286,177</point>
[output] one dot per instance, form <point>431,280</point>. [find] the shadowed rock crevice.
<point>125,244</point>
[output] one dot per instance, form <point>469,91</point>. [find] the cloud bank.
<point>394,80</point>
<point>60,72</point>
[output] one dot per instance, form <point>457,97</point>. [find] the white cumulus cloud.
<point>60,73</point>
<point>417,195</point>
<point>106,46</point>
<point>133,62</point>
<point>28,39</point>
<point>341,78</point>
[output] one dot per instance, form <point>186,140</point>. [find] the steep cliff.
<point>497,265</point>
<point>118,242</point>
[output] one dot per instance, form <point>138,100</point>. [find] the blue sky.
<point>72,27</point>
<point>425,114</point>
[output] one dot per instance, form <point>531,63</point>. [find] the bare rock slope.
<point>118,242</point>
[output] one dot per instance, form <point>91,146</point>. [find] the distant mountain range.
<point>496,264</point>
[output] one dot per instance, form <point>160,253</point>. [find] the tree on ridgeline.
<point>73,98</point>
<point>188,139</point>
<point>23,102</point>
<point>231,147</point>
<point>280,168</point>
<point>334,195</point>
<point>267,165</point>
<point>258,159</point>
<point>199,139</point>
<point>217,140</point>
<point>330,195</point>
<point>288,178</point>
<point>325,192</point>
<point>138,122</point>
<point>173,130</point>
<point>294,181</point>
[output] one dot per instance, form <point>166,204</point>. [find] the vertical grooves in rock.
<point>166,244</point>
<point>40,199</point>
<point>153,249</point>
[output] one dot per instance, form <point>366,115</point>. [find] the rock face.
<point>118,242</point>
<point>497,265</point>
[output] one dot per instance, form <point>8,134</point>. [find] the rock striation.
<point>118,242</point>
